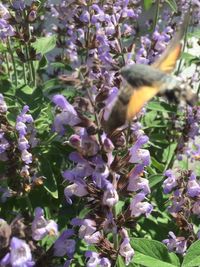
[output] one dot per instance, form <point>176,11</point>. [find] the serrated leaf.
<point>172,4</point>
<point>192,257</point>
<point>153,253</point>
<point>44,44</point>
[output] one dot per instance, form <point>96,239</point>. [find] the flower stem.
<point>7,64</point>
<point>156,15</point>
<point>13,60</point>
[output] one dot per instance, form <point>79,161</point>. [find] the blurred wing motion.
<point>144,82</point>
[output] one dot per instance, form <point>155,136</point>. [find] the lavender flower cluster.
<point>103,179</point>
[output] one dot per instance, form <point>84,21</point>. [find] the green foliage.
<point>43,45</point>
<point>153,253</point>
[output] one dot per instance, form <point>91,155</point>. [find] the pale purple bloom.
<point>110,196</point>
<point>4,145</point>
<point>178,202</point>
<point>138,207</point>
<point>126,250</point>
<point>196,208</point>
<point>110,101</point>
<point>42,227</point>
<point>68,115</point>
<point>170,183</point>
<point>136,182</point>
<point>176,244</point>
<point>26,156</point>
<point>139,155</point>
<point>104,262</point>
<point>4,13</point>
<point>94,259</point>
<point>64,245</point>
<point>18,4</point>
<point>100,174</point>
<point>76,189</point>
<point>19,255</point>
<point>81,170</point>
<point>193,187</point>
<point>88,231</point>
<point>23,143</point>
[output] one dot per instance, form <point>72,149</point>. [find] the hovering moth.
<point>143,82</point>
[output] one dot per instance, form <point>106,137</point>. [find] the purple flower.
<point>19,255</point>
<point>126,250</point>
<point>170,183</point>
<point>88,231</point>
<point>176,244</point>
<point>76,189</point>
<point>110,196</point>
<point>104,262</point>
<point>193,187</point>
<point>4,13</point>
<point>177,203</point>
<point>138,207</point>
<point>64,245</point>
<point>4,145</point>
<point>6,29</point>
<point>196,208</point>
<point>42,227</point>
<point>68,115</point>
<point>26,156</point>
<point>136,182</point>
<point>18,4</point>
<point>94,259</point>
<point>139,155</point>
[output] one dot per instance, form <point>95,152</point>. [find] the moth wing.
<point>139,97</point>
<point>167,61</point>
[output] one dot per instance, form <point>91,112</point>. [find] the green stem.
<point>156,15</point>
<point>29,65</point>
<point>7,64</point>
<point>31,61</point>
<point>24,66</point>
<point>13,60</point>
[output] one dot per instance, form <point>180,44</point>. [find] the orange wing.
<point>167,61</point>
<point>139,98</point>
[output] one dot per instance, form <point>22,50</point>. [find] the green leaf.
<point>3,47</point>
<point>153,253</point>
<point>27,90</point>
<point>43,63</point>
<point>50,183</point>
<point>119,206</point>
<point>160,106</point>
<point>147,4</point>
<point>195,33</point>
<point>45,44</point>
<point>169,153</point>
<point>189,58</point>
<point>155,179</point>
<point>173,5</point>
<point>192,257</point>
<point>157,164</point>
